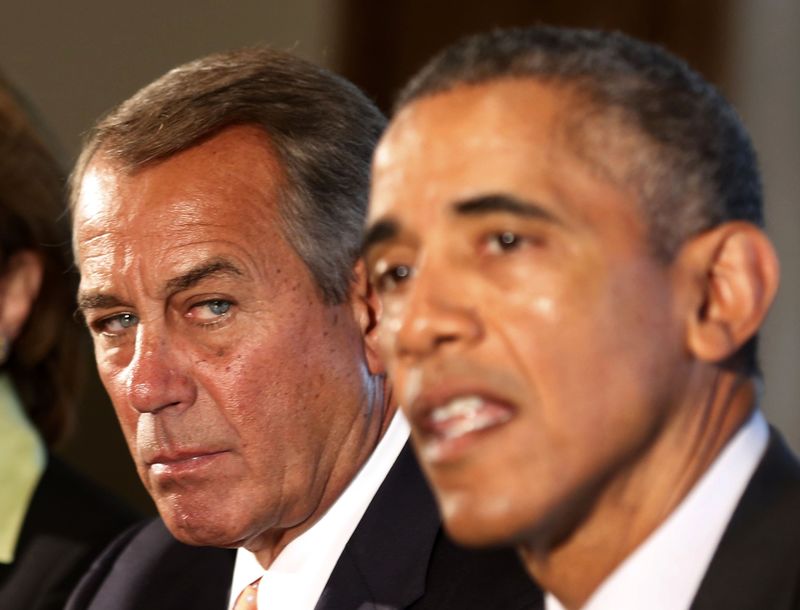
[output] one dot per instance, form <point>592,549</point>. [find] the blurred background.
<point>75,60</point>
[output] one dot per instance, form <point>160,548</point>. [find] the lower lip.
<point>187,466</point>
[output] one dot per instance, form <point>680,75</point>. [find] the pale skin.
<point>248,403</point>
<point>563,384</point>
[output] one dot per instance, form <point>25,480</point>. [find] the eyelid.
<point>205,301</point>
<point>99,325</point>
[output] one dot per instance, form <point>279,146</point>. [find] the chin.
<point>481,522</point>
<point>200,527</point>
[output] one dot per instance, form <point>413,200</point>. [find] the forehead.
<point>217,201</point>
<point>509,135</point>
<point>230,183</point>
<point>237,162</point>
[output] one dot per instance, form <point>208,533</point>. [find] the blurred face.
<point>533,338</point>
<point>243,398</point>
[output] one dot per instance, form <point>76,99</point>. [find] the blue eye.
<point>117,324</point>
<point>209,312</point>
<point>218,307</point>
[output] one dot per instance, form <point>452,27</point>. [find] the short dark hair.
<point>695,165</point>
<point>45,363</point>
<point>322,127</point>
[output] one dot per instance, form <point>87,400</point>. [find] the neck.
<point>642,494</point>
<point>352,455</point>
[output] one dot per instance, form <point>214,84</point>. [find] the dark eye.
<point>117,324</point>
<point>390,279</point>
<point>503,242</point>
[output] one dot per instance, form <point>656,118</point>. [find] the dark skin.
<point>563,384</point>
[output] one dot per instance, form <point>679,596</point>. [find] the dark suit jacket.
<point>757,563</point>
<point>68,523</point>
<point>398,557</point>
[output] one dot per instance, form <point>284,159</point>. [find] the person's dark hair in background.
<point>52,521</point>
<point>44,360</point>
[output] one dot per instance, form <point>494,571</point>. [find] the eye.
<point>506,241</point>
<point>211,311</point>
<point>117,324</point>
<point>391,277</point>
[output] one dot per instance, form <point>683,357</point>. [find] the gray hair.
<point>323,128</point>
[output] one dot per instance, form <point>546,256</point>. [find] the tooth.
<point>458,407</point>
<point>475,422</point>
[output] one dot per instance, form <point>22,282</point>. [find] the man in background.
<point>218,217</point>
<point>564,234</point>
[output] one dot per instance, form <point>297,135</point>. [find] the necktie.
<point>247,599</point>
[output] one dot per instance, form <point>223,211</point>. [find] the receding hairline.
<point>103,153</point>
<point>119,165</point>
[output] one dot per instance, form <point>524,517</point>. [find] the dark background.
<point>76,60</point>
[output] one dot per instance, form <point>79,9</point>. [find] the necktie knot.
<point>248,598</point>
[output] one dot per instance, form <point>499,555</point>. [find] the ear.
<point>736,275</point>
<point>366,311</point>
<point>19,285</point>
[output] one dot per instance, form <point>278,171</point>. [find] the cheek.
<point>386,342</point>
<point>115,383</point>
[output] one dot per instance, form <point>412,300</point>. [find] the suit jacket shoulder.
<point>69,521</point>
<point>399,557</point>
<point>757,563</point>
<point>146,567</point>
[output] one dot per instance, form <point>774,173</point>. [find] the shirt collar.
<point>665,571</point>
<point>299,573</point>
<point>22,462</point>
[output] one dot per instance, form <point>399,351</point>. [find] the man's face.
<point>242,396</point>
<point>534,341</point>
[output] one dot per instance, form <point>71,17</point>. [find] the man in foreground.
<point>564,237</point>
<point>217,217</point>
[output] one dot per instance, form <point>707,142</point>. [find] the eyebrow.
<point>197,274</point>
<point>96,301</point>
<point>381,231</point>
<point>214,267</point>
<point>385,230</point>
<point>499,202</point>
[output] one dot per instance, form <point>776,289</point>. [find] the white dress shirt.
<point>297,576</point>
<point>665,571</point>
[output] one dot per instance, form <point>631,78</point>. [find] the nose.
<point>157,377</point>
<point>434,316</point>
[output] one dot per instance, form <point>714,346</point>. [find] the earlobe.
<point>367,311</point>
<point>737,274</point>
<point>19,285</point>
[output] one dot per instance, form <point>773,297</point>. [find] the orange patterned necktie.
<point>247,599</point>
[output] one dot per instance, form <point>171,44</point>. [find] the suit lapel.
<point>757,563</point>
<point>385,561</point>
